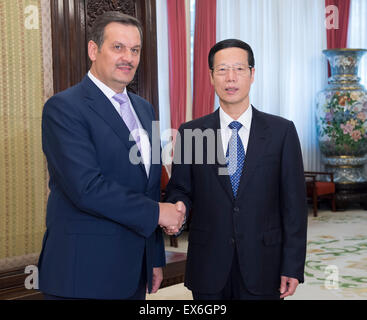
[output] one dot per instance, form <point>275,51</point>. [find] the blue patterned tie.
<point>235,156</point>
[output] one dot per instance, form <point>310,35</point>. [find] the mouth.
<point>231,90</point>
<point>125,68</point>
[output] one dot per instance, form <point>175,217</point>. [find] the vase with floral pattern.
<point>341,118</point>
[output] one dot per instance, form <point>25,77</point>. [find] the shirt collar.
<point>244,119</point>
<point>108,92</point>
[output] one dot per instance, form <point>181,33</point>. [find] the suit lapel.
<point>97,101</point>
<point>255,149</point>
<point>219,169</point>
<point>146,121</point>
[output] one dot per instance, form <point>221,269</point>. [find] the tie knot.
<point>235,125</point>
<point>121,98</point>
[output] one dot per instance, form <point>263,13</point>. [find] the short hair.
<point>99,25</point>
<point>231,43</point>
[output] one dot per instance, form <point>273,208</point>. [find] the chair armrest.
<point>316,173</point>
<point>313,177</point>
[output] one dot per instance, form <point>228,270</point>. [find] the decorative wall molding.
<point>48,84</point>
<point>71,22</point>
<point>96,8</point>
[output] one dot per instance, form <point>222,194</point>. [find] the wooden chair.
<point>317,189</point>
<point>164,182</point>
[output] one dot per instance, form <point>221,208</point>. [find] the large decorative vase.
<point>341,117</point>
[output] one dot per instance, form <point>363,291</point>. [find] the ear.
<point>252,75</point>
<point>92,50</point>
<point>211,76</point>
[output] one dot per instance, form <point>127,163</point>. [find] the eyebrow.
<point>120,43</point>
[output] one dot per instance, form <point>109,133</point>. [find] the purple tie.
<point>128,116</point>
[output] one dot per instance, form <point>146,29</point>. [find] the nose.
<point>126,55</point>
<point>231,75</point>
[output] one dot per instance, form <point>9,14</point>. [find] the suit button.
<point>233,241</point>
<point>236,209</point>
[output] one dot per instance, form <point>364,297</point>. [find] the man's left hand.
<point>157,279</point>
<point>287,286</point>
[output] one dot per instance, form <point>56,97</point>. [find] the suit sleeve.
<point>72,162</point>
<point>294,207</point>
<point>179,187</point>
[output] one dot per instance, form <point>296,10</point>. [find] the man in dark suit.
<point>247,236</point>
<point>103,239</point>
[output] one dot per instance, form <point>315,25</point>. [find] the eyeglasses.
<point>239,69</point>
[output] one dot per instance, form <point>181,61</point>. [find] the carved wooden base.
<point>351,193</point>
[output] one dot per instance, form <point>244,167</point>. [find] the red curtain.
<point>337,38</point>
<point>205,38</point>
<point>177,61</point>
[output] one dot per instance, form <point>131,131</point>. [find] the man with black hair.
<point>247,236</point>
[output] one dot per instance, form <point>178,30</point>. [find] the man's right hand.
<point>171,216</point>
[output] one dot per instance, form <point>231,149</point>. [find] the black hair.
<point>231,43</point>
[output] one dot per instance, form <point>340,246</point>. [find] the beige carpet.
<point>336,263</point>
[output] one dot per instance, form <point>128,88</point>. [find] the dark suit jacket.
<point>102,211</point>
<point>266,222</point>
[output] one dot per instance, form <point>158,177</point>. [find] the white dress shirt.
<point>244,132</point>
<point>144,138</point>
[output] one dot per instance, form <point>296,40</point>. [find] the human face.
<point>232,87</point>
<point>116,61</point>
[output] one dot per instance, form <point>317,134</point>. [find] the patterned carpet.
<point>336,263</point>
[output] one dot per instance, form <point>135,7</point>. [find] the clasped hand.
<point>171,216</point>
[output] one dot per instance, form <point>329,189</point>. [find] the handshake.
<point>171,216</point>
